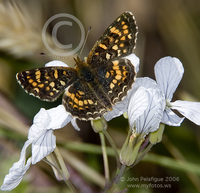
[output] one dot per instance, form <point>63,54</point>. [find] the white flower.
<point>169,72</point>
<point>146,106</point>
<point>41,132</point>
<point>145,110</point>
<point>42,140</point>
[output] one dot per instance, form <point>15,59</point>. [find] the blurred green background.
<point>166,28</point>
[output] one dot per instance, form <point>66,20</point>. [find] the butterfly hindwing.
<point>46,83</point>
<point>116,78</point>
<point>81,102</point>
<point>117,41</point>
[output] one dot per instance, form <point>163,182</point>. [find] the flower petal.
<point>43,146</point>
<point>152,103</point>
<point>56,63</point>
<point>171,119</point>
<point>149,121</point>
<point>137,105</point>
<point>142,82</point>
<point>15,176</point>
<point>41,134</point>
<point>118,109</point>
<point>59,117</point>
<point>146,83</point>
<point>74,124</point>
<point>41,122</point>
<point>168,72</point>
<point>17,171</point>
<point>23,152</point>
<point>122,107</point>
<point>134,60</point>
<point>42,118</point>
<point>190,110</point>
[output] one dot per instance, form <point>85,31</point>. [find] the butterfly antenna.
<point>85,40</point>
<point>44,54</point>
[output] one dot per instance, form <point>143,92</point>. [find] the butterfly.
<point>95,85</point>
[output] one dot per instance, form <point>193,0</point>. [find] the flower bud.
<point>99,125</point>
<point>156,136</point>
<point>130,149</point>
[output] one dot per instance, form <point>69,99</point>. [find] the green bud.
<point>99,125</point>
<point>156,136</point>
<point>130,149</point>
<point>125,115</point>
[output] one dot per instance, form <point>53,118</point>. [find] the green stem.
<point>56,161</point>
<point>113,147</point>
<point>67,182</point>
<point>120,174</point>
<point>143,154</point>
<point>116,180</point>
<point>71,187</point>
<point>105,158</point>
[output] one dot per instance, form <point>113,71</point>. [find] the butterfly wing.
<point>116,78</point>
<point>46,83</point>
<point>82,103</point>
<point>117,41</point>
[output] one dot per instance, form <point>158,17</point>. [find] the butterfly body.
<point>84,71</point>
<point>94,86</point>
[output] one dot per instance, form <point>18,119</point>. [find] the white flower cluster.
<point>148,104</point>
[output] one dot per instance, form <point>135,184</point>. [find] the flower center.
<point>168,104</point>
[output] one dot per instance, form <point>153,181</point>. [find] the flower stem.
<point>71,187</point>
<point>67,182</point>
<point>105,158</point>
<point>142,154</point>
<point>116,180</point>
<point>113,147</point>
<point>57,163</point>
<point>120,174</point>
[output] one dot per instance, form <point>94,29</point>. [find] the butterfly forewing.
<point>46,83</point>
<point>117,41</point>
